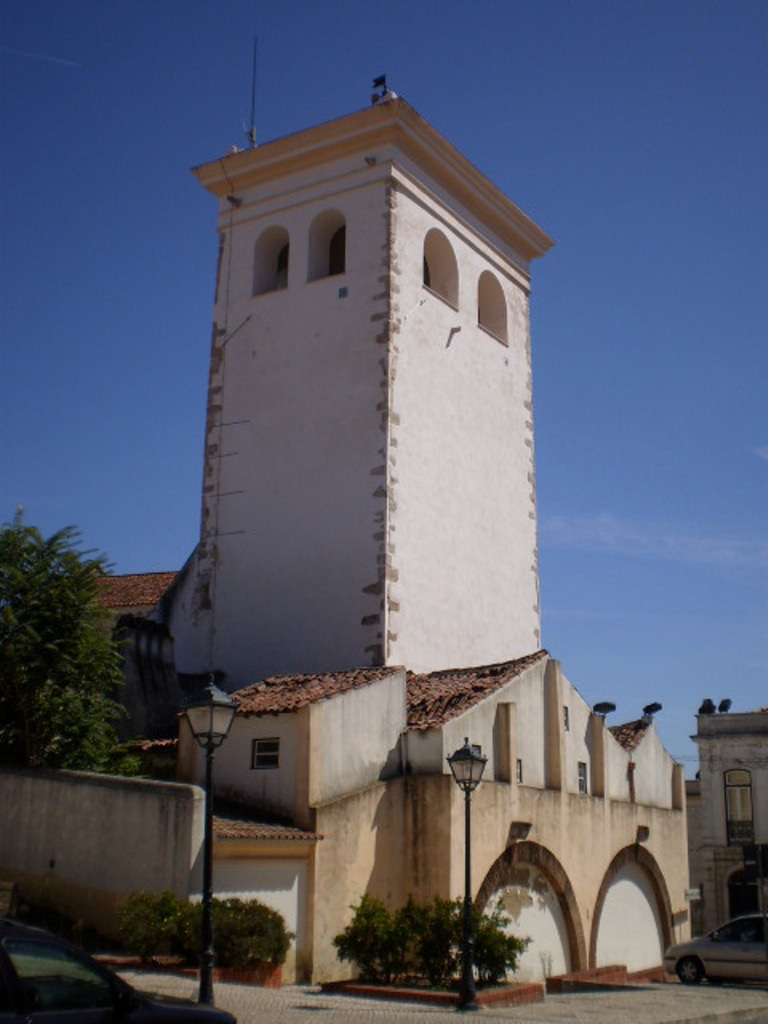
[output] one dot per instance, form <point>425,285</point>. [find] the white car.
<point>734,951</point>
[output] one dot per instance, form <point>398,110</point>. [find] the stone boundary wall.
<point>80,842</point>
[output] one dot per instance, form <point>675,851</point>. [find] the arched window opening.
<point>427,274</point>
<point>271,258</point>
<point>327,245</point>
<point>738,807</point>
<point>337,252</point>
<point>491,305</point>
<point>281,278</point>
<point>441,272</point>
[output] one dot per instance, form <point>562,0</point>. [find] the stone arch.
<point>634,855</point>
<point>539,857</point>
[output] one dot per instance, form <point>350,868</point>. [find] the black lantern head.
<point>467,766</point>
<point>210,718</point>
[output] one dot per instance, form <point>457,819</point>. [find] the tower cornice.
<point>396,126</point>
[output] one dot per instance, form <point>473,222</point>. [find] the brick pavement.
<point>650,1004</point>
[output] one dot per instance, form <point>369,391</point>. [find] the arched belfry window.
<point>491,305</point>
<point>270,263</point>
<point>738,806</point>
<point>440,270</point>
<point>327,245</point>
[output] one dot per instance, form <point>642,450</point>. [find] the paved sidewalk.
<point>306,1004</point>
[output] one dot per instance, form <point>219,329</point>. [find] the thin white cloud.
<point>605,532</point>
<point>39,56</point>
<point>762,453</point>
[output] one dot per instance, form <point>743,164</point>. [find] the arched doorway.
<point>530,885</point>
<point>742,895</point>
<point>632,923</point>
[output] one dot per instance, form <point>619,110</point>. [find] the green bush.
<point>496,951</point>
<point>373,940</point>
<point>438,941</point>
<point>425,940</point>
<point>246,932</point>
<point>153,924</point>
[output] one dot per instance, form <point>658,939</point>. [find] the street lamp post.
<point>467,765</point>
<point>210,720</point>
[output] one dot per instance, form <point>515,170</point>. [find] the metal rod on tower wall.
<point>252,130</point>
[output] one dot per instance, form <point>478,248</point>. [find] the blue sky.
<point>633,133</point>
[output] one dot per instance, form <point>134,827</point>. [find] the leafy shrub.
<point>246,932</point>
<point>496,951</point>
<point>425,940</point>
<point>373,940</point>
<point>438,941</point>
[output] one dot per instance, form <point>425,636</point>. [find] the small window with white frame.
<point>582,774</point>
<point>265,753</point>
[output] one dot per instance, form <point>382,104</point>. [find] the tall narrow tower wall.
<point>462,532</point>
<point>294,498</point>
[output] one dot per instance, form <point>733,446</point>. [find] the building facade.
<point>727,811</point>
<point>578,831</point>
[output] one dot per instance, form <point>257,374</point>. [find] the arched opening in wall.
<point>440,270</point>
<point>530,886</point>
<point>270,263</point>
<point>742,895</point>
<point>632,921</point>
<point>327,245</point>
<point>491,306</point>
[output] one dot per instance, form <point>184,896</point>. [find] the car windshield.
<point>56,979</point>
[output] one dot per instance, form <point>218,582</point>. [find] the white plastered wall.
<point>295,451</point>
<point>462,530</point>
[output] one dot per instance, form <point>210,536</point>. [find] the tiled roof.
<point>630,734</point>
<point>159,744</point>
<point>234,828</point>
<point>134,590</point>
<point>288,693</point>
<point>436,697</point>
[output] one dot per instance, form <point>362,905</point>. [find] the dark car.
<point>44,980</point>
<point>735,951</point>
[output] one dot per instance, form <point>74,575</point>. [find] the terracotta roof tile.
<point>233,828</point>
<point>437,697</point>
<point>159,744</point>
<point>134,590</point>
<point>288,693</point>
<point>630,734</point>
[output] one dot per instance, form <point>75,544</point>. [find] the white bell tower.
<point>368,488</point>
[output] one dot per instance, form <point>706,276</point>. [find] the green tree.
<point>59,666</point>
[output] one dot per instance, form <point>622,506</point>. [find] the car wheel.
<point>690,971</point>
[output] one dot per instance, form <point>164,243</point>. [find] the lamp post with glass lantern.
<point>467,765</point>
<point>210,719</point>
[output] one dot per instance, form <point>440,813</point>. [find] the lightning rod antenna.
<point>252,129</point>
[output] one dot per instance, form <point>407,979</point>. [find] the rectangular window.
<point>738,807</point>
<point>566,719</point>
<point>265,753</point>
<point>519,771</point>
<point>582,768</point>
